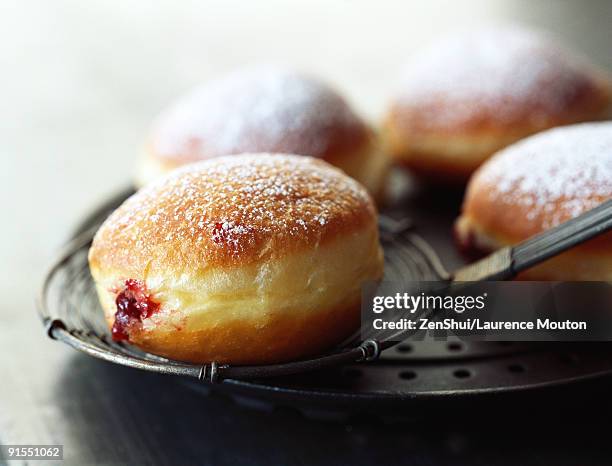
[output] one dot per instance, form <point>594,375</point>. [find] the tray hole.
<point>516,368</point>
<point>407,375</point>
<point>405,348</point>
<point>353,373</point>
<point>462,374</point>
<point>454,346</point>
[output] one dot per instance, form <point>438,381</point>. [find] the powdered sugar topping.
<point>557,174</point>
<point>262,109</point>
<point>233,205</point>
<point>493,72</point>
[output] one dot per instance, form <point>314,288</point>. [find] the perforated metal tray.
<point>409,378</point>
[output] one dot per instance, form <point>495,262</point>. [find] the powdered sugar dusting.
<point>557,174</point>
<point>237,205</point>
<point>263,109</point>
<point>495,73</point>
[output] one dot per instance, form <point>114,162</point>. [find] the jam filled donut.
<point>537,184</point>
<point>264,109</point>
<point>240,259</point>
<point>471,95</point>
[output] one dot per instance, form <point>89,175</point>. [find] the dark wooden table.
<point>80,84</point>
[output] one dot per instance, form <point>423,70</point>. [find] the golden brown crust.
<point>537,184</point>
<point>231,211</point>
<point>509,223</point>
<point>587,98</point>
<point>250,313</point>
<point>277,337</point>
<point>258,110</point>
<point>472,95</point>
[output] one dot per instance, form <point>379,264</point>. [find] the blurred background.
<point>79,84</point>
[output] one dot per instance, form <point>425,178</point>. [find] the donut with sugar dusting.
<point>263,109</point>
<point>239,259</point>
<point>535,185</point>
<point>472,94</point>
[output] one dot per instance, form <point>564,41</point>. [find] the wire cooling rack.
<point>409,371</point>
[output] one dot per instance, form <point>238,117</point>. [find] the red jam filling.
<point>134,304</point>
<point>218,234</point>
